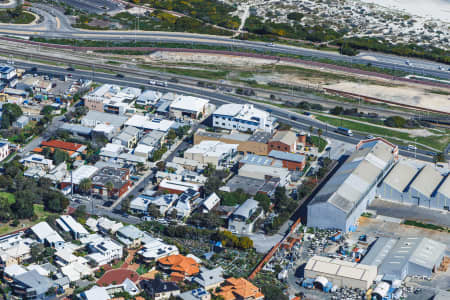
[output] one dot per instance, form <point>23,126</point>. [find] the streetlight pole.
<point>415,148</point>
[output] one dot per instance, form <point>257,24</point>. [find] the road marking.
<point>58,23</point>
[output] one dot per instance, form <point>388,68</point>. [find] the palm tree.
<point>319,133</point>
<point>85,185</point>
<point>311,130</point>
<point>109,187</point>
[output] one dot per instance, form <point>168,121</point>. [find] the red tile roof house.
<point>73,149</point>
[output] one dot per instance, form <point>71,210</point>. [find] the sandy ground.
<point>402,95</point>
<point>437,9</point>
<point>377,227</point>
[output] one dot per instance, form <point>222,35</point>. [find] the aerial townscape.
<point>225,149</point>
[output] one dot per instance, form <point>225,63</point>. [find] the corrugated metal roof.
<point>356,176</point>
<point>444,189</point>
<point>287,156</point>
<point>400,176</point>
<point>427,181</point>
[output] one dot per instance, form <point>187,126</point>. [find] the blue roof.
<point>287,156</point>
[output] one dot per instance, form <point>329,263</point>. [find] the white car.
<point>412,147</point>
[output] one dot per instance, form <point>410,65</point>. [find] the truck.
<point>344,131</point>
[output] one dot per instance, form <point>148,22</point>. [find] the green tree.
<point>319,133</point>
<point>264,201</point>
<point>153,211</point>
<point>10,113</point>
<point>59,156</point>
<point>5,209</point>
<point>85,185</point>
<point>110,188</point>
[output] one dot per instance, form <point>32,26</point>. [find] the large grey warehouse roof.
<point>400,176</point>
<point>427,180</point>
<point>350,184</point>
<point>378,251</point>
<point>423,252</point>
<point>444,189</point>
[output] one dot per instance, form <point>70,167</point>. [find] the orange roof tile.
<point>38,150</point>
<point>239,287</point>
<point>62,145</point>
<point>181,264</point>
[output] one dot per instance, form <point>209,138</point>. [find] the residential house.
<point>95,293</point>
<point>21,122</point>
<point>46,234</point>
<point>73,149</point>
<point>37,161</point>
<point>179,267</point>
<point>68,224</point>
<point>209,279</point>
<point>184,205</point>
<point>210,203</point>
<point>148,98</point>
<point>104,251</point>
<point>159,290</point>
<point>197,294</point>
<point>162,202</point>
<point>130,236</point>
<point>244,217</point>
<point>239,289</point>
<point>128,137</point>
<point>31,285</point>
<point>154,249</point>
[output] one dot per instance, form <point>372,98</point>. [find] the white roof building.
<point>209,203</point>
<point>177,186</point>
<point>143,122</point>
<point>45,233</point>
<point>37,160</point>
<point>68,224</point>
<point>95,293</point>
<point>155,249</point>
<point>104,251</point>
<point>211,152</point>
<point>188,106</point>
<point>82,172</point>
<point>242,117</point>
<point>341,273</point>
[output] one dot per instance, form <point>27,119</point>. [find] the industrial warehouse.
<point>347,193</point>
<point>340,273</point>
<point>408,256</point>
<point>424,187</point>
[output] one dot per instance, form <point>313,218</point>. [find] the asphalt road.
<point>300,122</point>
<point>56,25</point>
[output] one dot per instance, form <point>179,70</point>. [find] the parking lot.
<point>409,212</point>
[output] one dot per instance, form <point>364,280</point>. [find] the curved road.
<point>56,25</point>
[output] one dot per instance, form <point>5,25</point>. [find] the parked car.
<point>412,147</point>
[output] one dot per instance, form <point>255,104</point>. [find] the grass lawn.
<point>438,142</point>
<point>41,215</point>
<point>23,18</point>
<point>142,269</point>
<point>118,264</point>
<point>11,197</point>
